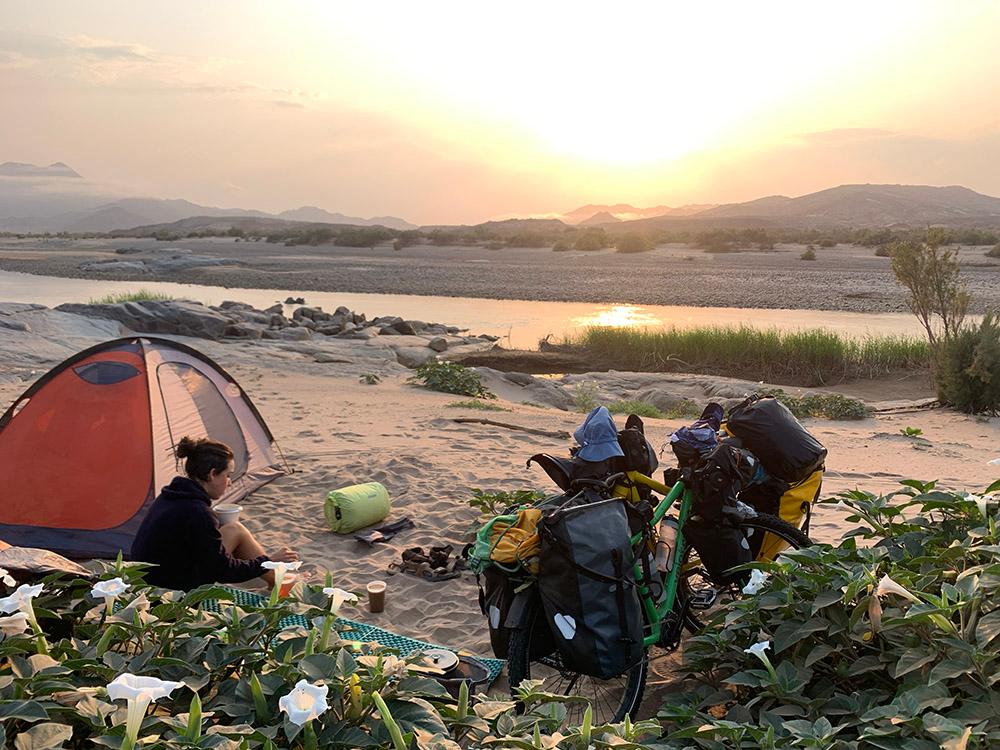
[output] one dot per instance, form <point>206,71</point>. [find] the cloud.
<point>845,135</point>
<point>285,104</point>
<point>113,52</point>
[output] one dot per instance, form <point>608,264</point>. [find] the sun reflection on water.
<point>619,316</point>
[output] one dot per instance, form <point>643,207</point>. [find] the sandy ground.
<point>336,431</point>
<point>841,278</point>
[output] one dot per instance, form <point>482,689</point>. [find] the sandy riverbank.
<point>841,278</point>
<point>336,431</point>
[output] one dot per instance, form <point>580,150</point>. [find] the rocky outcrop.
<point>156,260</point>
<point>178,317</point>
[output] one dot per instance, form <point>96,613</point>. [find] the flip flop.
<point>384,533</point>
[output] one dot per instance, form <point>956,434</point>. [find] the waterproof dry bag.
<point>351,508</point>
<point>771,432</point>
<point>587,587</point>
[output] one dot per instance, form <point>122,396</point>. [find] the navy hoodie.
<point>181,535</point>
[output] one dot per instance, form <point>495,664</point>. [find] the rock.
<point>413,356</point>
<point>306,312</point>
<point>278,321</point>
<point>358,318</point>
<point>294,334</point>
<point>180,317</point>
<point>328,329</point>
<point>276,309</point>
<point>438,343</point>
<point>387,321</point>
<point>662,399</point>
<point>114,266</point>
<point>519,378</point>
<point>347,327</point>
<point>242,331</point>
<point>405,328</point>
<point>389,331</point>
<point>343,311</point>
<point>233,305</point>
<point>417,325</point>
<point>295,301</point>
<point>15,325</point>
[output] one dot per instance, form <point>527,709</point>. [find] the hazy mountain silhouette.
<point>315,214</point>
<point>20,169</point>
<point>625,212</point>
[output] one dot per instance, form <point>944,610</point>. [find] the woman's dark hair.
<point>202,456</point>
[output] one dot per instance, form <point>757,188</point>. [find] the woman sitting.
<point>182,535</point>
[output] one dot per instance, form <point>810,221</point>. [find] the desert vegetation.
<point>139,295</point>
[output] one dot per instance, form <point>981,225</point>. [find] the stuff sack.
<point>496,594</point>
<point>721,476</point>
<point>719,547</point>
<point>587,588</point>
<point>771,432</point>
<point>351,508</point>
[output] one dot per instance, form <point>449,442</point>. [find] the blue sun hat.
<point>598,436</point>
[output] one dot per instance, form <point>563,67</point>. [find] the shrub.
<point>639,408</point>
<point>585,397</point>
<point>883,251</point>
<point>495,503</point>
<point>993,252</point>
<point>932,276</point>
<point>450,377</point>
<point>826,405</point>
<point>808,254</point>
<point>498,245</point>
<point>591,240</point>
<point>634,243</point>
<point>561,246</point>
<point>476,403</point>
<point>886,641</point>
<point>140,295</point>
<point>968,368</point>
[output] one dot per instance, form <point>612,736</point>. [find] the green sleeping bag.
<point>351,508</point>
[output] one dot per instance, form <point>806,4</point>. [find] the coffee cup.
<point>227,513</point>
<point>376,596</point>
<point>286,585</point>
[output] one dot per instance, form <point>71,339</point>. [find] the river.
<point>519,323</point>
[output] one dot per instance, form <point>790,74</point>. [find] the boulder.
<point>278,321</point>
<point>405,328</point>
<point>295,301</point>
<point>114,266</point>
<point>413,356</point>
<point>438,343</point>
<point>242,331</point>
<point>294,334</point>
<point>388,331</point>
<point>179,317</point>
<point>342,311</point>
<point>276,309</point>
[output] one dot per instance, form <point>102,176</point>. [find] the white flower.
<point>393,666</point>
<point>758,649</point>
<point>6,577</point>
<point>337,598</point>
<point>279,568</point>
<point>20,600</point>
<point>889,586</point>
<point>14,625</point>
<point>875,613</point>
<point>758,578</point>
<point>109,591</point>
<point>305,703</point>
<point>139,692</point>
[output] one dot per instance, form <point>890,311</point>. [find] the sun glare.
<point>618,316</point>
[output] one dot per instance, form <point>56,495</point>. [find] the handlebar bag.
<point>588,589</point>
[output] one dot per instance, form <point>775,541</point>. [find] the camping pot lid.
<point>440,658</point>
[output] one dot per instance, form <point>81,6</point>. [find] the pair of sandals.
<point>437,564</point>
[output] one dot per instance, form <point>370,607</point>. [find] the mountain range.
<point>57,198</point>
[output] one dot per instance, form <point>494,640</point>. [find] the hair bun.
<point>186,447</point>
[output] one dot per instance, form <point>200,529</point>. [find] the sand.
<point>336,431</point>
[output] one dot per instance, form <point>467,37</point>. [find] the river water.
<point>520,323</point>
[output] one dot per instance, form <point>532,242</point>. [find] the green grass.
<point>810,358</point>
<point>826,405</point>
<point>475,404</point>
<point>140,295</point>
<point>639,408</point>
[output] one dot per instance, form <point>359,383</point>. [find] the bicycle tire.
<point>694,620</point>
<point>611,700</point>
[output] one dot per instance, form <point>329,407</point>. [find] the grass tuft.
<point>476,403</point>
<point>140,295</point>
<point>811,358</point>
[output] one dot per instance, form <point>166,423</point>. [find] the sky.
<point>459,112</point>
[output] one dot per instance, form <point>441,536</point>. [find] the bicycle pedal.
<point>703,598</point>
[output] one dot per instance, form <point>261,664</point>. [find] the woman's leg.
<point>242,545</point>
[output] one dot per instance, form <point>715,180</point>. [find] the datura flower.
<point>889,586</point>
<point>758,649</point>
<point>875,613</point>
<point>14,625</point>
<point>280,569</point>
<point>139,692</point>
<point>21,600</point>
<point>393,666</point>
<point>109,591</point>
<point>6,577</point>
<point>305,703</point>
<point>338,597</point>
<point>758,579</point>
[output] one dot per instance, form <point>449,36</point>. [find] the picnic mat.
<point>359,631</point>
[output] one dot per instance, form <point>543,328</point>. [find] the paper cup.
<point>227,513</point>
<point>286,584</point>
<point>376,596</point>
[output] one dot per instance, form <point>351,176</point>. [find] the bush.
<point>140,295</point>
<point>883,251</point>
<point>886,642</point>
<point>968,368</point>
<point>634,243</point>
<point>592,239</point>
<point>477,404</point>
<point>561,246</point>
<point>808,254</point>
<point>993,252</point>
<point>233,665</point>
<point>932,276</point>
<point>451,377</point>
<point>639,408</point>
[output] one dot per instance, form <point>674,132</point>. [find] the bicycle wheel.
<point>700,596</point>
<point>611,700</point>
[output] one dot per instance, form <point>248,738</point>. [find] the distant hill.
<point>20,169</point>
<point>624,212</point>
<point>870,206</point>
<point>601,217</point>
<point>315,214</point>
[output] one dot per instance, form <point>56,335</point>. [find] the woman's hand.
<point>284,555</point>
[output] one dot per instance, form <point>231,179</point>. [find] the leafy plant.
<point>912,431</point>
<point>887,640</point>
<point>968,368</point>
<point>451,377</point>
<point>640,408</point>
<point>370,378</point>
<point>808,254</point>
<point>140,295</point>
<point>993,252</point>
<point>495,503</point>
<point>585,397</point>
<point>827,405</point>
<point>477,404</point>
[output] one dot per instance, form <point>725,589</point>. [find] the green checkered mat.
<point>359,631</point>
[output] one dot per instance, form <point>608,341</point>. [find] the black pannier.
<point>771,432</point>
<point>587,587</point>
<point>720,547</point>
<point>498,600</point>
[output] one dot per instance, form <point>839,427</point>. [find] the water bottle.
<point>664,560</point>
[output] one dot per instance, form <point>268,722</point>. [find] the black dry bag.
<point>587,587</point>
<point>771,432</point>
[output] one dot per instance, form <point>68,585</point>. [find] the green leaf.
<point>825,599</point>
<point>913,658</point>
<point>819,652</point>
<point>948,669</point>
<point>319,666</point>
<point>43,737</point>
<point>346,664</point>
<point>25,710</point>
<point>988,628</point>
<point>865,664</point>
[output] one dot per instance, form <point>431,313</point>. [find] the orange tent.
<point>85,450</point>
